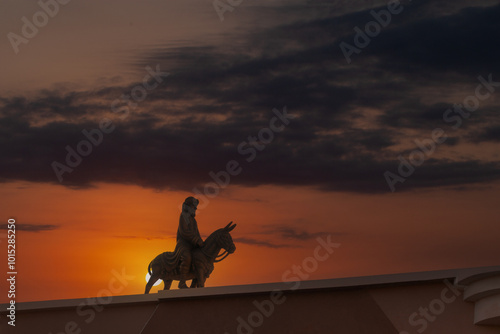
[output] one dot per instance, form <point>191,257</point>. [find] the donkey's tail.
<point>149,268</point>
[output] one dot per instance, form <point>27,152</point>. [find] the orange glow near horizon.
<point>118,228</point>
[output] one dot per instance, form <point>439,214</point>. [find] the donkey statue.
<point>165,265</point>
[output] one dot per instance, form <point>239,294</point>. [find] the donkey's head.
<point>225,240</point>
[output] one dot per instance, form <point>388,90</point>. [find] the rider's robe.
<point>188,237</point>
<point>187,233</point>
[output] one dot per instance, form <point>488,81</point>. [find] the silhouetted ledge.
<point>465,301</point>
<point>461,276</point>
<point>72,303</point>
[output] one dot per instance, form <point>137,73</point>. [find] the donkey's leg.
<point>194,283</point>
<point>200,278</point>
<point>152,280</point>
<point>166,284</point>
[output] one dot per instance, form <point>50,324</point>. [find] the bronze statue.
<point>192,258</point>
<point>188,237</point>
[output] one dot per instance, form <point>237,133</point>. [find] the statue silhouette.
<point>192,258</point>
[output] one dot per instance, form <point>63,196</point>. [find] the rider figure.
<point>188,237</point>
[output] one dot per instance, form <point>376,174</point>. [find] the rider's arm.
<point>190,233</point>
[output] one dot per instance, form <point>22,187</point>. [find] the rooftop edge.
<point>332,283</point>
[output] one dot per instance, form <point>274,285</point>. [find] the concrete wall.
<point>400,304</point>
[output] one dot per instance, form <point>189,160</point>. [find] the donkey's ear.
<point>231,228</point>
<point>228,226</point>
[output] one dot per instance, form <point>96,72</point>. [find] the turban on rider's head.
<point>191,201</point>
<point>189,206</point>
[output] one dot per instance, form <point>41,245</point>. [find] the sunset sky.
<point>323,175</point>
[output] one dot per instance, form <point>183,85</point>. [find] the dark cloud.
<point>436,46</point>
<point>490,133</point>
<point>412,114</point>
<point>281,233</point>
<point>32,227</point>
<point>291,233</point>
<point>261,243</point>
<point>142,238</point>
<point>218,96</point>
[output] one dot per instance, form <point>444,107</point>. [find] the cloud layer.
<point>351,121</point>
<point>32,227</point>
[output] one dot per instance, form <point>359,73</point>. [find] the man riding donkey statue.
<point>188,237</point>
<point>192,258</point>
